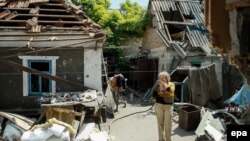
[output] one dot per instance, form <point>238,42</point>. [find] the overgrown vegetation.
<point>130,20</point>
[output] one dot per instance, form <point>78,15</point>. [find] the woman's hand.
<point>163,85</point>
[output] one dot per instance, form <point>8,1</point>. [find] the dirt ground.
<point>137,122</point>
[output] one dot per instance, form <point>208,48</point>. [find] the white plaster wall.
<point>132,45</point>
<point>93,69</point>
<point>165,56</point>
<point>151,39</point>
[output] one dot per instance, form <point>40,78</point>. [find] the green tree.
<point>130,20</point>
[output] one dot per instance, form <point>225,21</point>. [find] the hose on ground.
<point>128,116</point>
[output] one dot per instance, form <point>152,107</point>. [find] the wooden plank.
<point>93,41</point>
<point>43,38</point>
<point>4,13</point>
<point>51,44</point>
<point>76,125</point>
<point>49,16</point>
<point>51,28</point>
<point>64,22</point>
<point>177,23</point>
<point>16,33</point>
<point>43,74</point>
<point>13,27</point>
<point>51,4</point>
<point>43,21</point>
<point>15,119</point>
<point>41,9</point>
<point>61,110</point>
<point>11,16</point>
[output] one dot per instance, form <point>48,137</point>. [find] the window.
<point>34,85</point>
<point>37,84</point>
<point>196,63</point>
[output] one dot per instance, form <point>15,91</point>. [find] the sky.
<point>115,4</point>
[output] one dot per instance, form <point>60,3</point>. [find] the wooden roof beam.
<point>41,9</point>
<point>50,4</point>
<point>177,23</point>
<point>50,16</point>
<point>43,21</point>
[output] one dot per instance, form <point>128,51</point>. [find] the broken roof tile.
<point>62,15</point>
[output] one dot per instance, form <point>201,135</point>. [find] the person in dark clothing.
<point>118,86</point>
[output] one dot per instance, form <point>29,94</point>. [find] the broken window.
<point>174,16</point>
<point>37,84</point>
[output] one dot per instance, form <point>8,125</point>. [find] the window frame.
<point>39,93</point>
<point>25,62</point>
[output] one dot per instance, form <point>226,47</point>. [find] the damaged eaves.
<point>44,22</point>
<point>180,21</point>
<point>44,14</point>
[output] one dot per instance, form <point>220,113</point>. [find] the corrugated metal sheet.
<point>164,5</point>
<point>197,33</point>
<point>198,38</point>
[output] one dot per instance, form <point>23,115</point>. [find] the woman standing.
<point>164,96</point>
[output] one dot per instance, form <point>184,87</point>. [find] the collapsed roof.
<point>180,23</point>
<point>44,15</point>
<point>41,21</point>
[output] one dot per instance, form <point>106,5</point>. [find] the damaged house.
<point>46,47</point>
<point>228,21</point>
<point>178,41</point>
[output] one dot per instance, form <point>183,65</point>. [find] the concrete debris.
<point>85,96</point>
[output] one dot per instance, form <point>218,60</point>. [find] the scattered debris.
<point>12,126</point>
